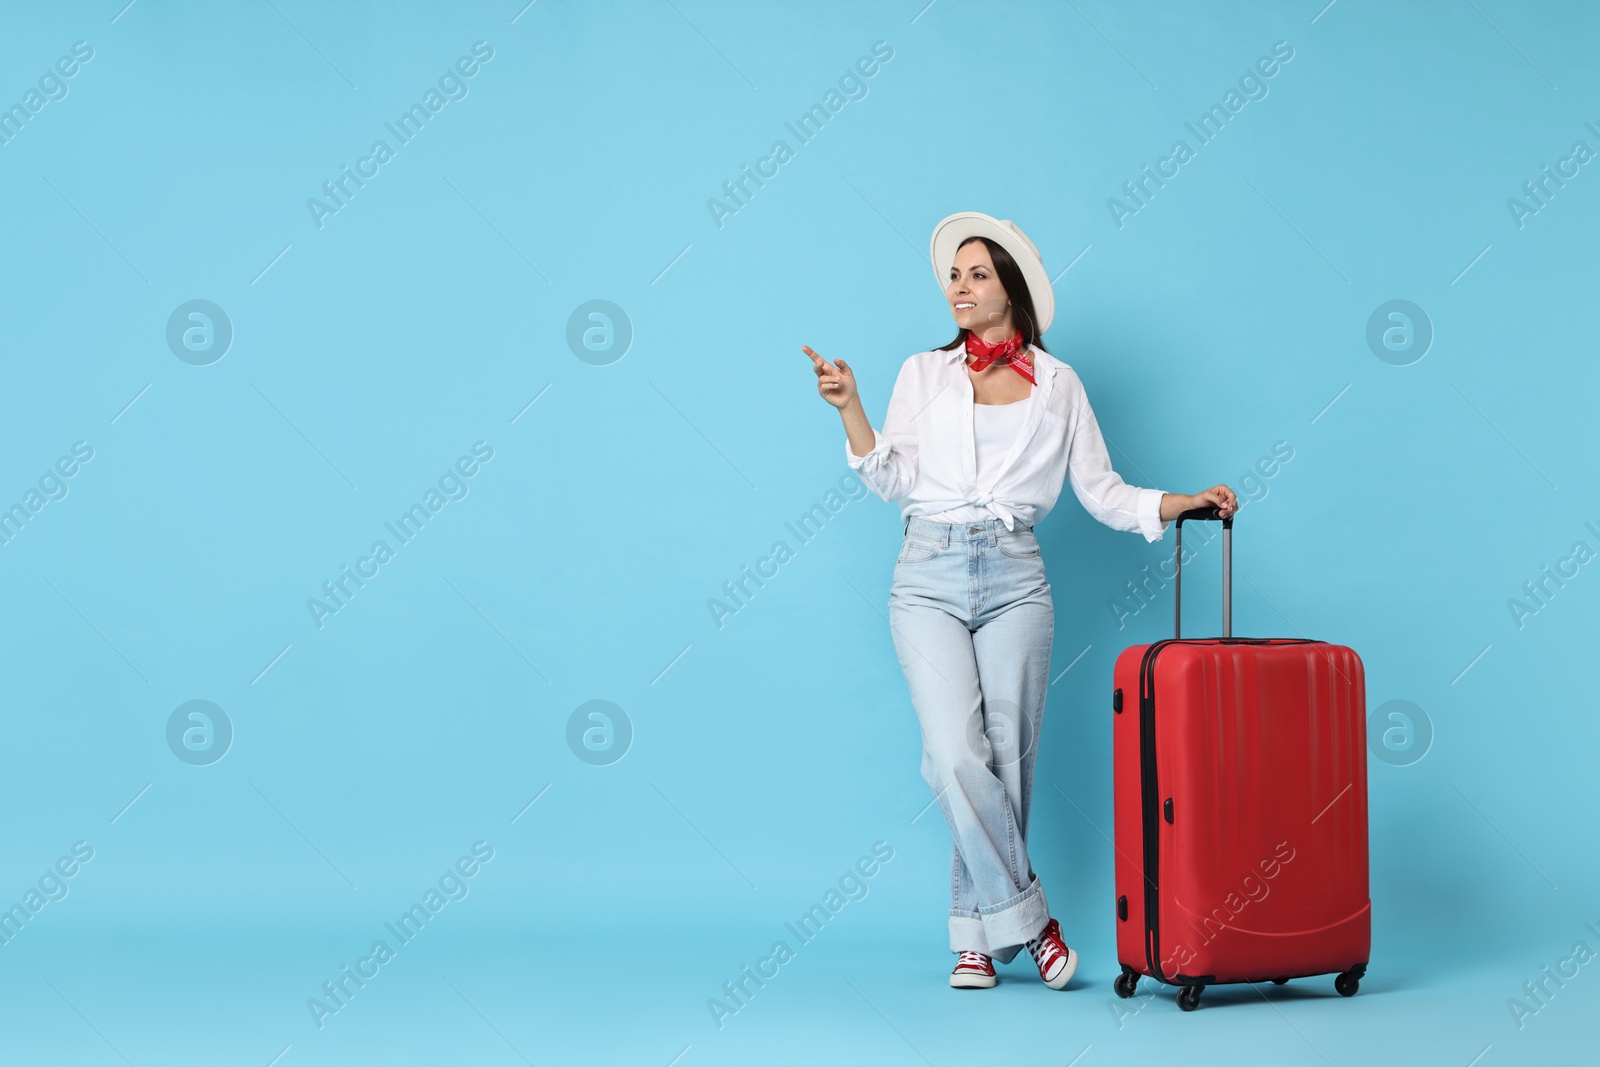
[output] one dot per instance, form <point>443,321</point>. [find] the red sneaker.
<point>1056,961</point>
<point>973,970</point>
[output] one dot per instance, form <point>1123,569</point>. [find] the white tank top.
<point>994,430</point>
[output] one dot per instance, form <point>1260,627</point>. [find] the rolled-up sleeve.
<point>890,468</point>
<point>1101,490</point>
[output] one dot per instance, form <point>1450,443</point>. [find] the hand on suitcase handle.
<point>1219,499</point>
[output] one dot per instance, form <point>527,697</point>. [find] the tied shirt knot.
<point>987,500</point>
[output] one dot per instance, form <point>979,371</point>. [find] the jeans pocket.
<point>1019,544</point>
<point>917,550</point>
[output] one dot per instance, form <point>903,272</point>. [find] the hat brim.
<point>951,231</point>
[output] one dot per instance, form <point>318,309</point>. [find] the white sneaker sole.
<point>967,980</point>
<point>1065,974</point>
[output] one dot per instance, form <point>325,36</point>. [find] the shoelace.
<point>973,959</point>
<point>1044,952</point>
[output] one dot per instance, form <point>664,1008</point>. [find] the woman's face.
<point>977,299</point>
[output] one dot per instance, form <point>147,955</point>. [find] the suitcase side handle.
<point>1205,514</point>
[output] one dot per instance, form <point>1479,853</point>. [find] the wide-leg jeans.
<point>972,621</point>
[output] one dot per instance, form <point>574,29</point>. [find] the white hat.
<point>948,235</point>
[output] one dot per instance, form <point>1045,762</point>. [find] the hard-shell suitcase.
<point>1240,807</point>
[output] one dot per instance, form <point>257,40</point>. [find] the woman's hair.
<point>1016,287</point>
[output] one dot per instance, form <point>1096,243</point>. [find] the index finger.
<point>817,360</point>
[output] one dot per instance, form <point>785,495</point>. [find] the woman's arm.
<point>1118,505</point>
<point>1101,490</point>
<point>1174,504</point>
<point>857,428</point>
<point>886,462</point>
<point>889,463</point>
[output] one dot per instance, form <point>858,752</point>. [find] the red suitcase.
<point>1241,807</point>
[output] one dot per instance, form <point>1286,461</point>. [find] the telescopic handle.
<point>1204,514</point>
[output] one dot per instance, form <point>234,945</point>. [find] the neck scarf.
<point>1010,351</point>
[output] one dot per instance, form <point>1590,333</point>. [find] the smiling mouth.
<point>965,306</point>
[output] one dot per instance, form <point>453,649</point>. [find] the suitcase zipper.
<point>1150,804</point>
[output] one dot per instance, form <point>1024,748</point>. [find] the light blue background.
<point>768,754</point>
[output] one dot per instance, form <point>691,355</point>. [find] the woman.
<point>977,441</point>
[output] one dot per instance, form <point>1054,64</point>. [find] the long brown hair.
<point>1016,287</point>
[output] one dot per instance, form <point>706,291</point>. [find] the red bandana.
<point>1011,351</point>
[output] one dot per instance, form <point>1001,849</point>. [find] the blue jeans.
<point>972,621</point>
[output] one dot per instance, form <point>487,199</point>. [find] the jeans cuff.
<point>1009,924</point>
<point>967,933</point>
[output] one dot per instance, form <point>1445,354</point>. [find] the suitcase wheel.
<point>1189,997</point>
<point>1347,983</point>
<point>1125,984</point>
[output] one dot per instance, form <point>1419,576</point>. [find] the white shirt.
<point>994,429</point>
<point>926,456</point>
